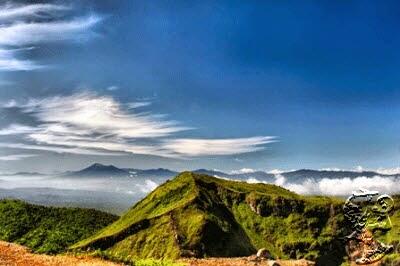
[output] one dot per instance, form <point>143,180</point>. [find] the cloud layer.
<point>22,26</point>
<point>86,123</point>
<point>198,147</point>
<point>336,186</point>
<point>15,157</point>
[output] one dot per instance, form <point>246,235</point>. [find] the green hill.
<point>202,216</point>
<point>48,229</point>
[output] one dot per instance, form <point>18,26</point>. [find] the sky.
<point>199,84</point>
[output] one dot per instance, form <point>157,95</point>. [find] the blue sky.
<point>288,84</point>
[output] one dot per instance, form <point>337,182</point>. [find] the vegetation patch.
<point>48,229</point>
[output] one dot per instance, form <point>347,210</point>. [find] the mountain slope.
<point>48,229</point>
<point>202,216</point>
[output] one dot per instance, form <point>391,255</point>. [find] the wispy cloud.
<point>86,123</point>
<point>14,129</point>
<point>86,113</point>
<point>9,104</point>
<point>57,149</point>
<point>10,62</point>
<point>33,33</point>
<point>112,88</point>
<point>12,12</point>
<point>200,147</point>
<point>18,29</point>
<point>16,157</point>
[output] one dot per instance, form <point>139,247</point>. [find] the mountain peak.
<point>203,216</point>
<point>100,166</point>
<point>98,169</point>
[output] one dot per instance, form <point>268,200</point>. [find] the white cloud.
<point>279,180</point>
<point>90,113</point>
<point>14,129</point>
<point>388,171</point>
<point>18,30</point>
<point>359,168</point>
<point>276,171</point>
<point>9,104</point>
<point>243,171</point>
<point>148,186</point>
<point>335,186</point>
<point>10,62</point>
<point>344,186</point>
<point>306,187</point>
<point>85,123</point>
<point>112,88</point>
<point>333,169</point>
<point>21,33</point>
<point>199,147</point>
<point>138,104</point>
<point>12,12</point>
<point>16,157</point>
<point>381,170</point>
<point>56,149</point>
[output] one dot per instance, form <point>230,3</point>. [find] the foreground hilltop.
<point>196,215</point>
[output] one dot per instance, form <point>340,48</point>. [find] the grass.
<point>127,260</point>
<point>393,236</point>
<point>48,229</point>
<point>165,198</point>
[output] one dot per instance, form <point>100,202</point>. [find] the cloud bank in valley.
<point>337,186</point>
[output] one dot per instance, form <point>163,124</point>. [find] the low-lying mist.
<point>110,194</point>
<point>337,186</point>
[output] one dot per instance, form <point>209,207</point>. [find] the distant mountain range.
<point>26,174</point>
<point>297,176</point>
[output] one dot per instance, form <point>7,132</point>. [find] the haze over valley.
<point>113,189</point>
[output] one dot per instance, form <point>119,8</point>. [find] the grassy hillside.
<point>48,229</point>
<point>202,216</point>
<point>393,236</point>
